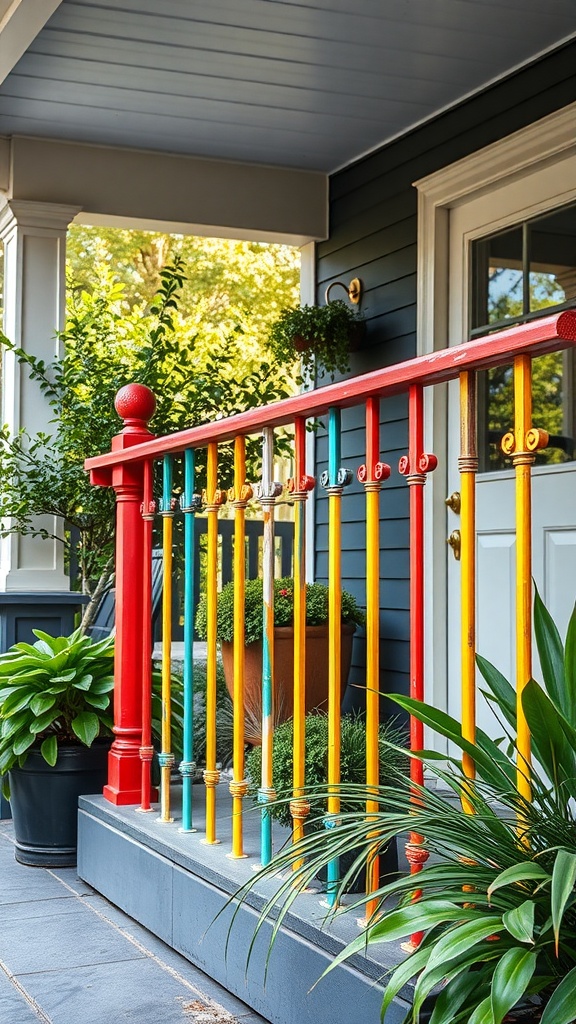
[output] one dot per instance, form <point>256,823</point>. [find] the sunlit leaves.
<point>198,343</point>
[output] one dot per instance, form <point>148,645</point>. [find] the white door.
<point>534,198</point>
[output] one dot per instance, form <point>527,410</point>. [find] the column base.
<point>124,784</point>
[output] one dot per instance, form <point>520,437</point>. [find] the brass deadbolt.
<point>454,502</point>
<point>455,542</point>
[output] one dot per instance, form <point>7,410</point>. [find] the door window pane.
<point>552,259</point>
<point>518,275</point>
<point>500,279</point>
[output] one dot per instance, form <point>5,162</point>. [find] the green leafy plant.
<point>316,608</point>
<point>319,335</point>
<point>107,346</point>
<point>497,904</point>
<point>57,690</point>
<point>352,760</point>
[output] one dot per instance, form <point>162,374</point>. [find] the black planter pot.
<point>44,802</point>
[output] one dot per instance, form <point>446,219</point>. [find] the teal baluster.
<point>190,504</point>
<point>334,480</point>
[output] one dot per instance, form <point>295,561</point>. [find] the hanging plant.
<point>322,336</point>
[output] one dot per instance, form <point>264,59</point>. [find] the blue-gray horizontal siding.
<point>373,235</point>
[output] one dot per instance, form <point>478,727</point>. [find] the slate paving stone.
<point>67,956</point>
<point>77,939</point>
<point>21,883</point>
<point>14,1009</point>
<point>39,909</point>
<point>71,880</point>
<point>142,993</point>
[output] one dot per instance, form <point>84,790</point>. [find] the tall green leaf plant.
<point>497,900</point>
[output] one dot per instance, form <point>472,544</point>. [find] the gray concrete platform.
<point>179,888</point>
<point>68,956</point>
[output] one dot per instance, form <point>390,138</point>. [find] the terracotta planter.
<point>302,344</point>
<point>316,674</point>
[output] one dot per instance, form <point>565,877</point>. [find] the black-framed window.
<point>520,274</point>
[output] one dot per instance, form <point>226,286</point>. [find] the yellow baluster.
<point>213,499</point>
<point>521,445</point>
<point>468,466</point>
<point>371,474</point>
<point>239,496</point>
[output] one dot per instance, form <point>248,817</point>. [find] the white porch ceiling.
<point>310,84</point>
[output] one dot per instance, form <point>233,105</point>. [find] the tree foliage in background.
<point>228,283</point>
<point>548,384</point>
<point>115,335</point>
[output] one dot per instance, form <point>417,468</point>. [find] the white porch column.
<point>34,236</point>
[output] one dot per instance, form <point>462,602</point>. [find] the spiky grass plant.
<point>497,905</point>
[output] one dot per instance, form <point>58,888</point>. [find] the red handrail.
<point>547,335</point>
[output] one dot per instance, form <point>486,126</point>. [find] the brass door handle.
<point>455,542</point>
<point>454,502</point>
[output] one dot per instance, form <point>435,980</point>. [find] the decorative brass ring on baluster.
<point>149,510</point>
<point>300,807</point>
<point>240,788</point>
<point>240,499</point>
<point>266,795</point>
<point>191,504</point>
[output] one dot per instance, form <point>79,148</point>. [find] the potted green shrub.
<point>55,732</point>
<point>320,335</point>
<point>497,904</point>
<point>316,645</point>
<point>393,764</point>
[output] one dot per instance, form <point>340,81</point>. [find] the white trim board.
<point>546,143</point>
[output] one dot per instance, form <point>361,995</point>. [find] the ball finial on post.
<point>135,404</point>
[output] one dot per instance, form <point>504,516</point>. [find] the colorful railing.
<point>128,468</point>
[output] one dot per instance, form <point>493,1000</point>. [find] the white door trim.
<point>543,143</point>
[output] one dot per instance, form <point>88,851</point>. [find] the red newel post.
<point>135,403</point>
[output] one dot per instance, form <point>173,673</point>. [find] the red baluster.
<point>414,467</point>
<point>135,403</point>
<point>148,509</point>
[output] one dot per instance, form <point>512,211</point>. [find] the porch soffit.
<point>20,23</point>
<point>310,85</point>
